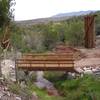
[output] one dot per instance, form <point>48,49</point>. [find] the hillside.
<point>55,18</point>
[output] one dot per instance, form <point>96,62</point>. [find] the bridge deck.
<point>45,62</point>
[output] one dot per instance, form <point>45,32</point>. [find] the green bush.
<point>86,88</point>
<point>15,88</point>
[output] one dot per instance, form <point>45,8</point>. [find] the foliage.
<point>19,42</point>
<point>86,88</point>
<point>30,88</point>
<point>6,16</point>
<point>73,31</point>
<point>15,88</point>
<point>97,21</point>
<point>44,36</point>
<point>6,13</point>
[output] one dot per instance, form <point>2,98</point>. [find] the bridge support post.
<point>89,31</point>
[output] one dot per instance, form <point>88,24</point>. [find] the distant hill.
<point>55,18</point>
<point>74,14</point>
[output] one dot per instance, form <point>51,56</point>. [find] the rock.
<point>6,97</point>
<point>94,69</point>
<point>88,72</point>
<point>22,84</point>
<point>8,93</point>
<point>44,83</point>
<point>1,78</point>
<point>39,75</point>
<point>70,75</point>
<point>5,88</point>
<point>79,70</point>
<point>87,68</point>
<point>41,81</point>
<point>18,98</point>
<point>1,94</point>
<point>7,67</point>
<point>52,92</point>
<point>34,96</point>
<point>21,75</point>
<point>5,94</point>
<point>40,85</point>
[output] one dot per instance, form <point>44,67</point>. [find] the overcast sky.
<point>32,9</point>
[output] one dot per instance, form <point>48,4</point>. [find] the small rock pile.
<point>95,70</point>
<point>5,94</point>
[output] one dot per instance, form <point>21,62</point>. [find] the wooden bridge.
<point>47,61</point>
<point>61,59</point>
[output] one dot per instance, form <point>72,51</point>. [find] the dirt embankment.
<point>90,57</point>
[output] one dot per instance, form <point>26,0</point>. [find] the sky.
<point>33,9</point>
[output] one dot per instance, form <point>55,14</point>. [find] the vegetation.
<point>27,91</point>
<point>5,12</point>
<point>85,88</point>
<point>41,38</point>
<point>6,16</point>
<point>97,21</point>
<point>44,36</point>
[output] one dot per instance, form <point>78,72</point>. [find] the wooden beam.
<point>89,31</point>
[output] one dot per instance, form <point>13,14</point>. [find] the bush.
<point>86,88</point>
<point>15,88</point>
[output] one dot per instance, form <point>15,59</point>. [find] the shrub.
<point>15,88</point>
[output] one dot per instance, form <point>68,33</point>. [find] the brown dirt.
<point>90,57</point>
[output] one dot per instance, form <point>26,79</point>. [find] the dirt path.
<point>88,62</point>
<point>91,57</point>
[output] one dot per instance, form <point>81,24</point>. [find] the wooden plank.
<point>44,62</point>
<point>67,69</point>
<point>45,65</point>
<point>47,54</point>
<point>45,59</point>
<point>59,57</point>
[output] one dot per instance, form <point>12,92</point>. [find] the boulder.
<point>8,69</point>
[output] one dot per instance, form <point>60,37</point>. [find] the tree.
<point>6,15</point>
<point>6,12</point>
